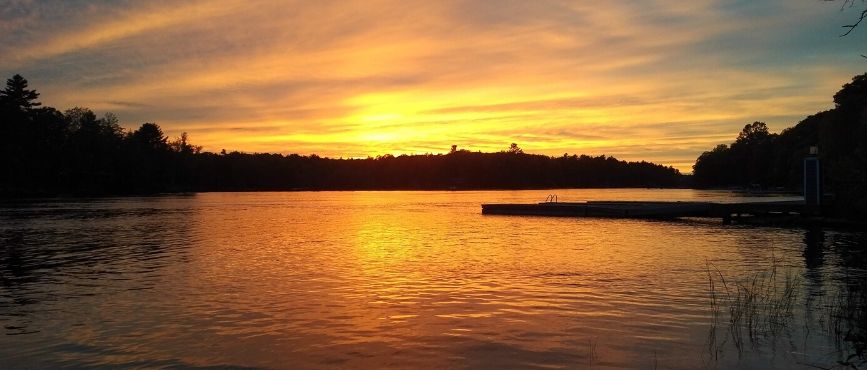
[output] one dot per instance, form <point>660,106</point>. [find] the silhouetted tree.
<point>76,152</point>
<point>843,144</point>
<point>94,152</point>
<point>24,141</point>
<point>758,156</point>
<point>754,151</point>
<point>149,137</point>
<point>752,134</point>
<point>181,145</point>
<point>17,95</point>
<point>514,149</point>
<point>149,153</point>
<point>712,168</point>
<point>747,162</point>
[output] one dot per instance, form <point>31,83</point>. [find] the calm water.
<point>392,280</point>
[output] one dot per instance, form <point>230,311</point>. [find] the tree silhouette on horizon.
<point>17,95</point>
<point>760,158</point>
<point>75,152</point>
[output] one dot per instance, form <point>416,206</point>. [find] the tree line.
<point>46,152</point>
<point>759,158</point>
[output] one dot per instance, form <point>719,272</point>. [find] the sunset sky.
<point>657,80</point>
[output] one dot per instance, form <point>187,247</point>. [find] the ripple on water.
<point>378,280</point>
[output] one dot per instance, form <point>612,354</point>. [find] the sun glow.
<point>387,77</point>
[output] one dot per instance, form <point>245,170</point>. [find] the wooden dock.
<point>654,210</point>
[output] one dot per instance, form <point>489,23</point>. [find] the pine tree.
<point>17,95</point>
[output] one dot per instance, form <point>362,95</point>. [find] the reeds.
<point>843,316</point>
<point>757,307</point>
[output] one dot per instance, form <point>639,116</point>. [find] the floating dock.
<point>654,210</point>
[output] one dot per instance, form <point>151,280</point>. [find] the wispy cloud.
<point>661,80</point>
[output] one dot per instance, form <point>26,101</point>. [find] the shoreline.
<point>767,220</point>
<point>39,196</point>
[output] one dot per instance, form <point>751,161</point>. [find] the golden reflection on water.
<point>391,280</point>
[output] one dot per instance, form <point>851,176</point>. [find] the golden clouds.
<point>659,81</point>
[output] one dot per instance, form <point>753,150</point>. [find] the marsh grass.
<point>843,317</point>
<point>757,307</point>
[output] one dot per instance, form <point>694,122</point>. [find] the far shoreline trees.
<point>46,152</point>
<point>758,158</point>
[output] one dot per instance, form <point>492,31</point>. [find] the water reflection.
<point>382,279</point>
<point>814,250</point>
<point>819,323</point>
<point>65,268</point>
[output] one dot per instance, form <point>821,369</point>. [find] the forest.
<point>46,152</point>
<point>761,159</point>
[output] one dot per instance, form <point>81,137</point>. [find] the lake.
<point>409,280</point>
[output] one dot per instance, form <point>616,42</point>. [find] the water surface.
<point>391,280</point>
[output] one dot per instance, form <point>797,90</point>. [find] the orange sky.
<point>661,80</point>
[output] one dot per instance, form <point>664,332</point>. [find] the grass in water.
<point>757,307</point>
<point>760,306</point>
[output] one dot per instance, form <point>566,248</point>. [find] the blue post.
<point>812,181</point>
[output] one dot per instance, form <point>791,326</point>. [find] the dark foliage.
<point>46,152</point>
<point>747,161</point>
<point>758,158</point>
